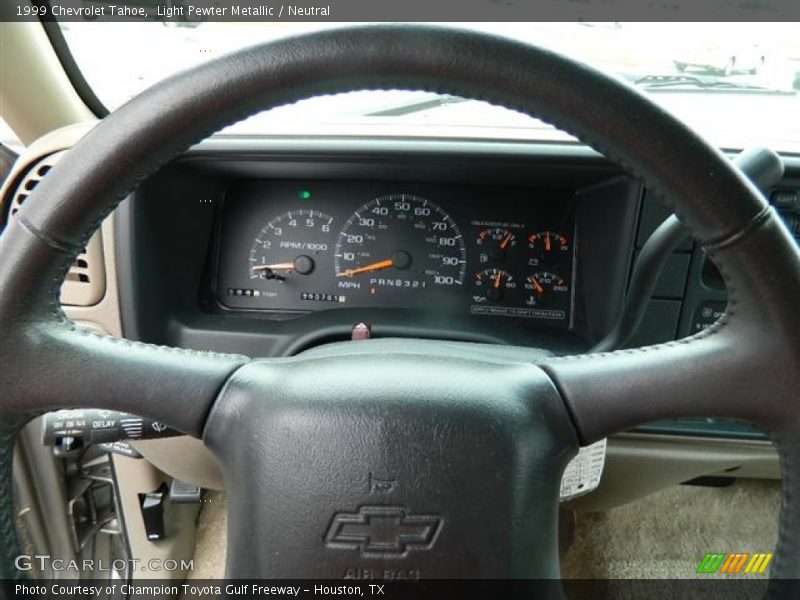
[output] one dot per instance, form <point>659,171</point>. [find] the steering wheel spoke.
<point>735,370</point>
<point>168,384</point>
<point>610,392</point>
<point>72,367</point>
<point>50,363</point>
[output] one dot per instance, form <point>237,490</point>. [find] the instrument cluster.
<point>494,251</point>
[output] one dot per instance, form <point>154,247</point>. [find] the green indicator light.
<point>304,194</point>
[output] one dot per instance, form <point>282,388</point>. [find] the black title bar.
<point>188,11</point>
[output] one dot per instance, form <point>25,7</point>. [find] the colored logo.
<point>383,530</point>
<point>734,563</point>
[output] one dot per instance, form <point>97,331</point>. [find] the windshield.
<point>735,83</point>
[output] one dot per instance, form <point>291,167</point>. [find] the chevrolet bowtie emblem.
<point>382,530</point>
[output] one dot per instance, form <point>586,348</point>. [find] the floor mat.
<point>664,535</point>
<point>667,534</point>
<point>211,537</point>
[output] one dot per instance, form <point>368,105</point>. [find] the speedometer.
<point>400,241</point>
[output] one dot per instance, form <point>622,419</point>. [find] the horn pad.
<point>403,474</point>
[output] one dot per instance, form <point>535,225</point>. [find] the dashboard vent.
<point>85,282</point>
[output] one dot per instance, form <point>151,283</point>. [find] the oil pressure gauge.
<point>494,283</point>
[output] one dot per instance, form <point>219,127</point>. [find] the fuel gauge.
<point>545,288</point>
<point>494,244</point>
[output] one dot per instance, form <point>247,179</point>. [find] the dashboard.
<point>489,251</point>
<point>466,225</point>
<point>270,247</point>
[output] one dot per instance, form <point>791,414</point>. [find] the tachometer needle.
<point>376,266</point>
<point>505,241</point>
<point>287,266</point>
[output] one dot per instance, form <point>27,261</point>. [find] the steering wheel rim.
<point>744,367</point>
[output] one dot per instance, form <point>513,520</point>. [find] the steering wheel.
<point>472,438</point>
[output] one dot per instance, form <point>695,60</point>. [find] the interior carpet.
<point>209,557</point>
<point>667,534</point>
<point>662,536</point>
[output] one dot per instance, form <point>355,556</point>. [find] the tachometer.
<point>400,241</point>
<point>289,243</point>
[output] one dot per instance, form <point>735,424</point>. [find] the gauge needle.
<point>497,279</point>
<point>505,241</point>
<point>287,266</point>
<point>547,242</point>
<point>537,286</point>
<point>376,266</point>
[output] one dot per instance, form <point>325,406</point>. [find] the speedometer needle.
<point>376,266</point>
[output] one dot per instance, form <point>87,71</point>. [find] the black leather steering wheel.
<point>473,437</point>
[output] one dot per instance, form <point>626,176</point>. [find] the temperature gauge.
<point>494,283</point>
<point>494,244</point>
<point>547,247</point>
<point>545,288</point>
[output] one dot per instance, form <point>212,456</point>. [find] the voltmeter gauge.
<point>546,247</point>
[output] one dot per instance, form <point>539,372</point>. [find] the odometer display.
<point>399,241</point>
